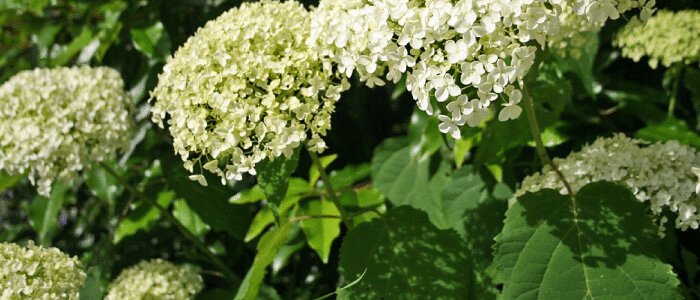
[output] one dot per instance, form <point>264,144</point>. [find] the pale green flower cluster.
<point>56,122</point>
<point>660,173</point>
<point>34,272</point>
<point>156,279</point>
<point>247,86</point>
<point>574,21</point>
<point>465,53</point>
<point>667,37</point>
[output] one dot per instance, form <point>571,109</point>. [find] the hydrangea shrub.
<point>34,272</point>
<point>58,122</point>
<point>155,279</point>
<point>247,86</point>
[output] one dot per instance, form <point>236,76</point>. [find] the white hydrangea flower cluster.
<point>57,122</point>
<point>155,279</point>
<point>467,53</point>
<point>667,37</point>
<point>246,87</point>
<point>34,272</point>
<point>660,173</point>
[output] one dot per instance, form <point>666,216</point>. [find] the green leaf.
<point>92,289</point>
<point>143,216</point>
<point>321,232</point>
<point>464,192</point>
<point>43,212</point>
<point>582,65</point>
<point>406,179</point>
<point>273,176</point>
<point>668,130</point>
<point>189,218</point>
<point>606,248</point>
<point>47,35</point>
<point>265,217</point>
<point>211,203</point>
<point>250,195</point>
<point>423,131</point>
<point>362,199</point>
<point>476,212</point>
<point>77,45</point>
<point>102,184</point>
<point>551,136</point>
<point>313,171</point>
<point>268,246</point>
<point>403,256</point>
<point>639,100</point>
<point>9,181</point>
<point>296,242</point>
<point>349,175</point>
<point>152,41</point>
<point>462,146</point>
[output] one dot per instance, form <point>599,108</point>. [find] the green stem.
<point>233,279</point>
<point>674,91</point>
<point>329,189</point>
<point>535,128</point>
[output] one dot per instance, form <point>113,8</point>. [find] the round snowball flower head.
<point>156,279</point>
<point>56,122</point>
<point>664,174</point>
<point>667,37</point>
<point>34,272</point>
<point>247,86</point>
<point>457,57</point>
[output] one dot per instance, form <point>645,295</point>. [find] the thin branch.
<point>310,217</point>
<point>535,128</point>
<point>366,211</point>
<point>329,188</point>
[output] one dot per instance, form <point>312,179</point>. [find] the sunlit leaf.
<point>43,212</point>
<point>189,218</point>
<point>268,246</point>
<point>668,130</point>
<point>313,171</point>
<point>142,216</point>
<point>8,181</point>
<point>153,41</point>
<point>77,45</point>
<point>320,232</point>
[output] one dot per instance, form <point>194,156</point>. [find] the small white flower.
<point>447,125</point>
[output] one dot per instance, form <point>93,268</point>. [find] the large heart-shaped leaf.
<point>404,256</point>
<point>600,245</point>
